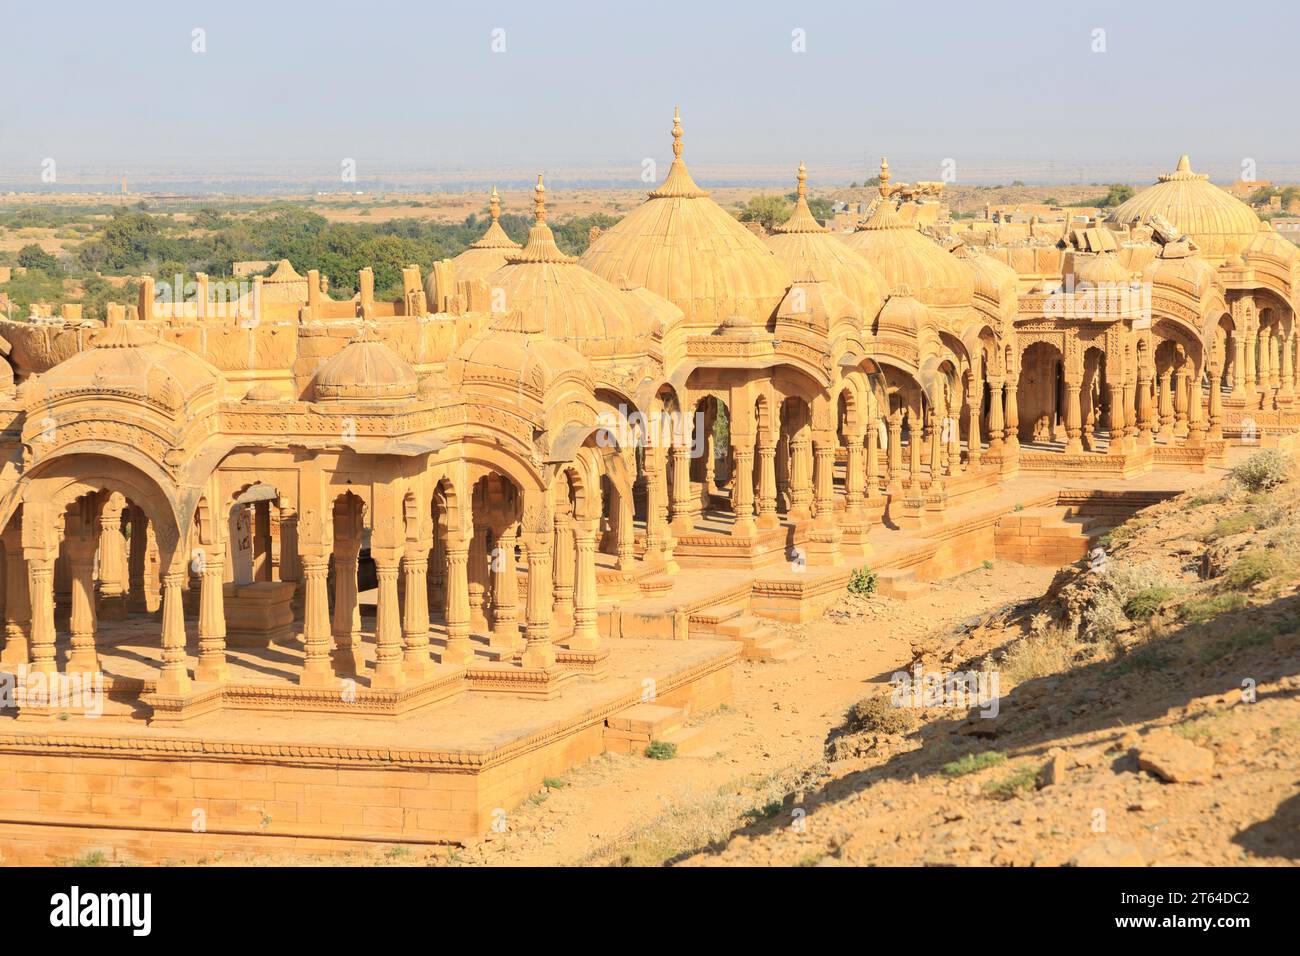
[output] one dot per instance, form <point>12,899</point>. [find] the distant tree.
<point>767,210</point>
<point>1017,182</point>
<point>1118,193</point>
<point>820,208</point>
<point>33,256</point>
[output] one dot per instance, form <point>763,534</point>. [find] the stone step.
<point>774,648</point>
<point>630,731</point>
<point>698,741</point>
<point>713,618</point>
<point>901,585</point>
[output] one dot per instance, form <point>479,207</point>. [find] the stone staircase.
<point>1050,535</point>
<point>633,730</point>
<point>733,622</point>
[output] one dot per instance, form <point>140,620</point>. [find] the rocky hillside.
<point>1143,711</point>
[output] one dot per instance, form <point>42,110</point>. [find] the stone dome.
<point>485,255</point>
<point>905,257</point>
<point>366,370</point>
<point>128,360</point>
<point>1100,269</point>
<point>902,312</point>
<point>1219,224</point>
<point>1268,243</point>
<point>682,245</point>
<point>514,355</point>
<point>569,303</point>
<point>808,248</point>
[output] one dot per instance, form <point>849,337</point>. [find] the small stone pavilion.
<point>299,537</point>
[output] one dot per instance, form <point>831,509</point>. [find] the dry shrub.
<point>1039,655</point>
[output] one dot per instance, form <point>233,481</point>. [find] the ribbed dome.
<point>487,254</point>
<point>993,277</point>
<point>1101,269</point>
<point>808,249</point>
<point>128,359</point>
<point>688,249</point>
<point>907,258</point>
<point>902,312</point>
<point>366,370</point>
<point>1219,224</point>
<point>514,354</point>
<point>1267,242</point>
<point>561,299</point>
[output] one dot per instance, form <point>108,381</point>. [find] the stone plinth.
<point>258,614</point>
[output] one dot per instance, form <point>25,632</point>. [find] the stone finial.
<point>494,205</point>
<point>677,132</point>
<point>884,177</point>
<point>539,200</point>
<point>802,189</point>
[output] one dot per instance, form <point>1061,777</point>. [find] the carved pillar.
<point>460,650</point>
<point>18,599</point>
<point>654,529</point>
<point>112,561</point>
<point>679,465</point>
<point>626,532</point>
<point>1195,412</point>
<point>742,487</point>
<point>562,567</point>
<point>767,514</point>
<point>1118,419</point>
<point>539,652</point>
<point>914,439</point>
<point>974,449</point>
<point>895,453</point>
<point>872,478</point>
<point>40,582</point>
<point>388,626</point>
<point>416,662</point>
<point>951,438</point>
<point>1073,419</point>
<point>438,575</point>
<point>290,562</point>
<point>1181,396</point>
<point>505,591</point>
<point>317,670</point>
<point>801,477</point>
<point>348,658</point>
<point>1238,364</point>
<point>783,472</point>
<point>478,573</point>
<point>1286,388</point>
<point>137,559</point>
<point>585,635</point>
<point>80,548</point>
<point>854,493</point>
<point>212,664</point>
<point>997,424</point>
<point>1165,405</point>
<point>937,445</point>
<point>824,480</point>
<point>1146,427</point>
<point>1013,417</point>
<point>1216,405</point>
<point>174,677</point>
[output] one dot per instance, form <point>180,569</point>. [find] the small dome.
<point>1219,223</point>
<point>484,256</point>
<point>366,370</point>
<point>903,312</point>
<point>905,257</point>
<point>128,359</point>
<point>808,248</point>
<point>1268,243</point>
<point>263,392</point>
<point>1100,269</point>
<point>514,354</point>
<point>569,303</point>
<point>682,245</point>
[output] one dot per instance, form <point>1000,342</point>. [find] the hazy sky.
<point>304,85</point>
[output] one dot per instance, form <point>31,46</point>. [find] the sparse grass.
<point>1237,524</point>
<point>862,581</point>
<point>973,763</point>
<point>538,798</point>
<point>1252,568</point>
<point>554,783</point>
<point>879,714</point>
<point>661,750</point>
<point>1143,605</point>
<point>1049,652</point>
<point>988,565</point>
<point>700,820</point>
<point>1007,787</point>
<point>92,858</point>
<point>397,852</point>
<point>1205,609</point>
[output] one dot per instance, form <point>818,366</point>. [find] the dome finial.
<point>539,200</point>
<point>1184,164</point>
<point>677,132</point>
<point>884,177</point>
<point>494,204</point>
<point>802,190</point>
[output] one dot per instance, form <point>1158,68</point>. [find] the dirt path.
<point>635,810</point>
